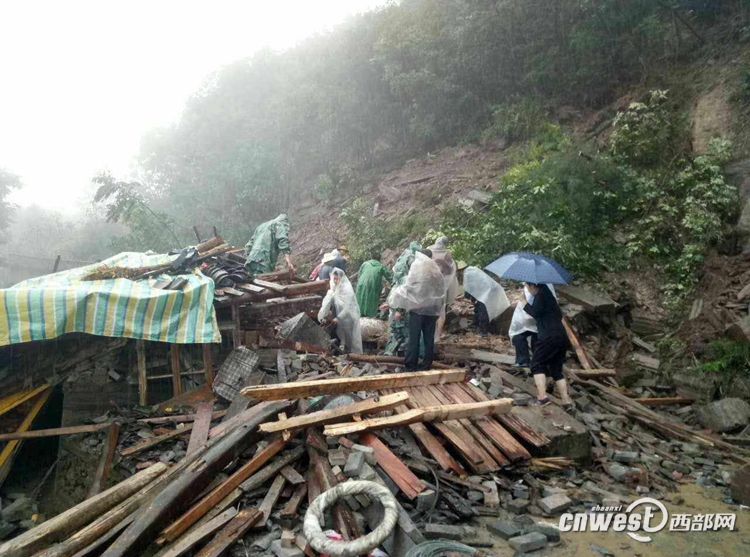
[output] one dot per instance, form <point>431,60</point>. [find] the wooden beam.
<point>53,432</point>
<point>662,401</point>
<point>140,354</point>
<point>392,465</point>
<point>105,462</point>
<point>302,389</point>
<point>378,360</point>
<point>201,426</point>
<point>265,342</point>
<point>187,542</point>
<point>291,475</point>
<point>272,286</point>
<point>290,509</point>
<point>176,379</point>
<point>341,413</point>
<point>10,402</point>
<point>272,496</point>
<point>180,418</point>
<point>576,343</point>
<point>594,373</point>
<point>585,298</point>
<point>424,414</point>
<point>492,357</point>
<point>148,443</point>
<point>63,524</point>
<point>208,367</point>
<point>237,527</point>
<point>208,502</point>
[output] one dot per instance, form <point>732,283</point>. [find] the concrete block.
<point>505,530</point>
<point>354,464</point>
<point>369,453</point>
<point>518,506</point>
<point>548,530</point>
<point>287,539</point>
<point>443,531</point>
<point>367,473</point>
<point>626,457</point>
<point>555,504</point>
<point>725,415</point>
<point>337,457</point>
<point>528,542</point>
<point>426,500</point>
<point>280,551</point>
<point>568,437</point>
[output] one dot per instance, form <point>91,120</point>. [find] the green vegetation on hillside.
<point>645,198</point>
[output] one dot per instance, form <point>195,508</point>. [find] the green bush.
<point>516,121</point>
<point>728,358</point>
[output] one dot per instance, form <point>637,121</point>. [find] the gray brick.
<point>528,542</point>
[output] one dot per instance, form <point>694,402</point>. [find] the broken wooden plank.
<point>265,342</point>
<point>208,367</point>
<point>386,360</point>
<point>201,426</point>
<point>237,527</point>
<point>594,373</point>
<point>643,344</point>
<point>663,401</point>
<point>291,475</point>
<point>341,413</point>
<point>302,389</point>
<point>575,341</point>
<point>186,543</point>
<point>424,414</point>
<point>199,509</point>
<point>148,443</point>
<point>180,418</point>
<point>105,462</point>
<point>645,361</point>
<point>63,524</point>
<point>392,465</point>
<point>54,432</point>
<point>582,297</point>
<point>272,496</point>
<point>272,286</point>
<point>492,357</point>
<point>184,486</point>
<point>140,356</point>
<point>290,509</point>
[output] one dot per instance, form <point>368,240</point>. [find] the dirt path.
<point>696,500</point>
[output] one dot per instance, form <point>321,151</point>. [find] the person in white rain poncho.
<point>522,330</point>
<point>423,296</point>
<point>447,265</point>
<point>342,303</point>
<point>488,296</point>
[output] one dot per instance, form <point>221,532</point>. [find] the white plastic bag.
<point>341,296</point>
<point>423,290</point>
<point>483,287</point>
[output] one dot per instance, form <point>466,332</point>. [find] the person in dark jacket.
<point>551,343</point>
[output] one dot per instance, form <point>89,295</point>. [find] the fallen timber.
<point>425,414</point>
<point>302,389</point>
<point>196,477</point>
<point>56,528</point>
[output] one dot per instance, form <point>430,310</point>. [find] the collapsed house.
<point>204,412</point>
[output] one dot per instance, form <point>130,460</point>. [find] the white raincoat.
<point>483,287</point>
<point>341,297</point>
<point>522,321</point>
<point>424,289</point>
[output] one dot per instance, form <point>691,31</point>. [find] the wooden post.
<point>237,331</point>
<point>208,364</point>
<point>140,352</point>
<point>198,236</point>
<point>105,462</point>
<point>57,264</point>
<point>176,379</point>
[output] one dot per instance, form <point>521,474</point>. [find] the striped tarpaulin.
<point>49,306</point>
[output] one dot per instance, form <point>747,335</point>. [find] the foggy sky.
<point>82,81</point>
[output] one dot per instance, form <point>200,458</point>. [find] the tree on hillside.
<point>8,182</point>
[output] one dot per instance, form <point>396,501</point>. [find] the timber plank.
<point>583,357</point>
<point>220,492</point>
<point>341,413</point>
<point>237,527</point>
<point>301,389</point>
<point>53,432</point>
<point>105,462</point>
<point>187,542</point>
<point>292,476</point>
<point>404,478</point>
<point>201,426</point>
<point>148,443</point>
<point>290,509</point>
<point>508,444</point>
<point>272,496</point>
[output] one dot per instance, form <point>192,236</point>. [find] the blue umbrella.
<point>529,267</point>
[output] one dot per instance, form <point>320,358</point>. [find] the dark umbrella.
<point>529,267</point>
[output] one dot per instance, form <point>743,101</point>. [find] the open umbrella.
<point>529,267</point>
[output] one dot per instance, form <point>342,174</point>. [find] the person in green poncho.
<point>370,285</point>
<point>398,318</point>
<point>269,240</point>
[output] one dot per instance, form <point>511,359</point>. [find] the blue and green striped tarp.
<point>47,307</point>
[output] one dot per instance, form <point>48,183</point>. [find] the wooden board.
<point>105,461</point>
<point>392,465</point>
<point>303,389</point>
<point>272,496</point>
<point>54,432</point>
<point>290,509</point>
<point>424,414</point>
<point>186,543</point>
<point>208,502</point>
<point>576,343</point>
<point>339,414</point>
<point>237,527</point>
<point>201,426</point>
<point>148,443</point>
<point>291,475</point>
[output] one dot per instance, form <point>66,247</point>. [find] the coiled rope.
<point>314,519</point>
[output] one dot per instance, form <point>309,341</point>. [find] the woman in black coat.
<point>551,343</point>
